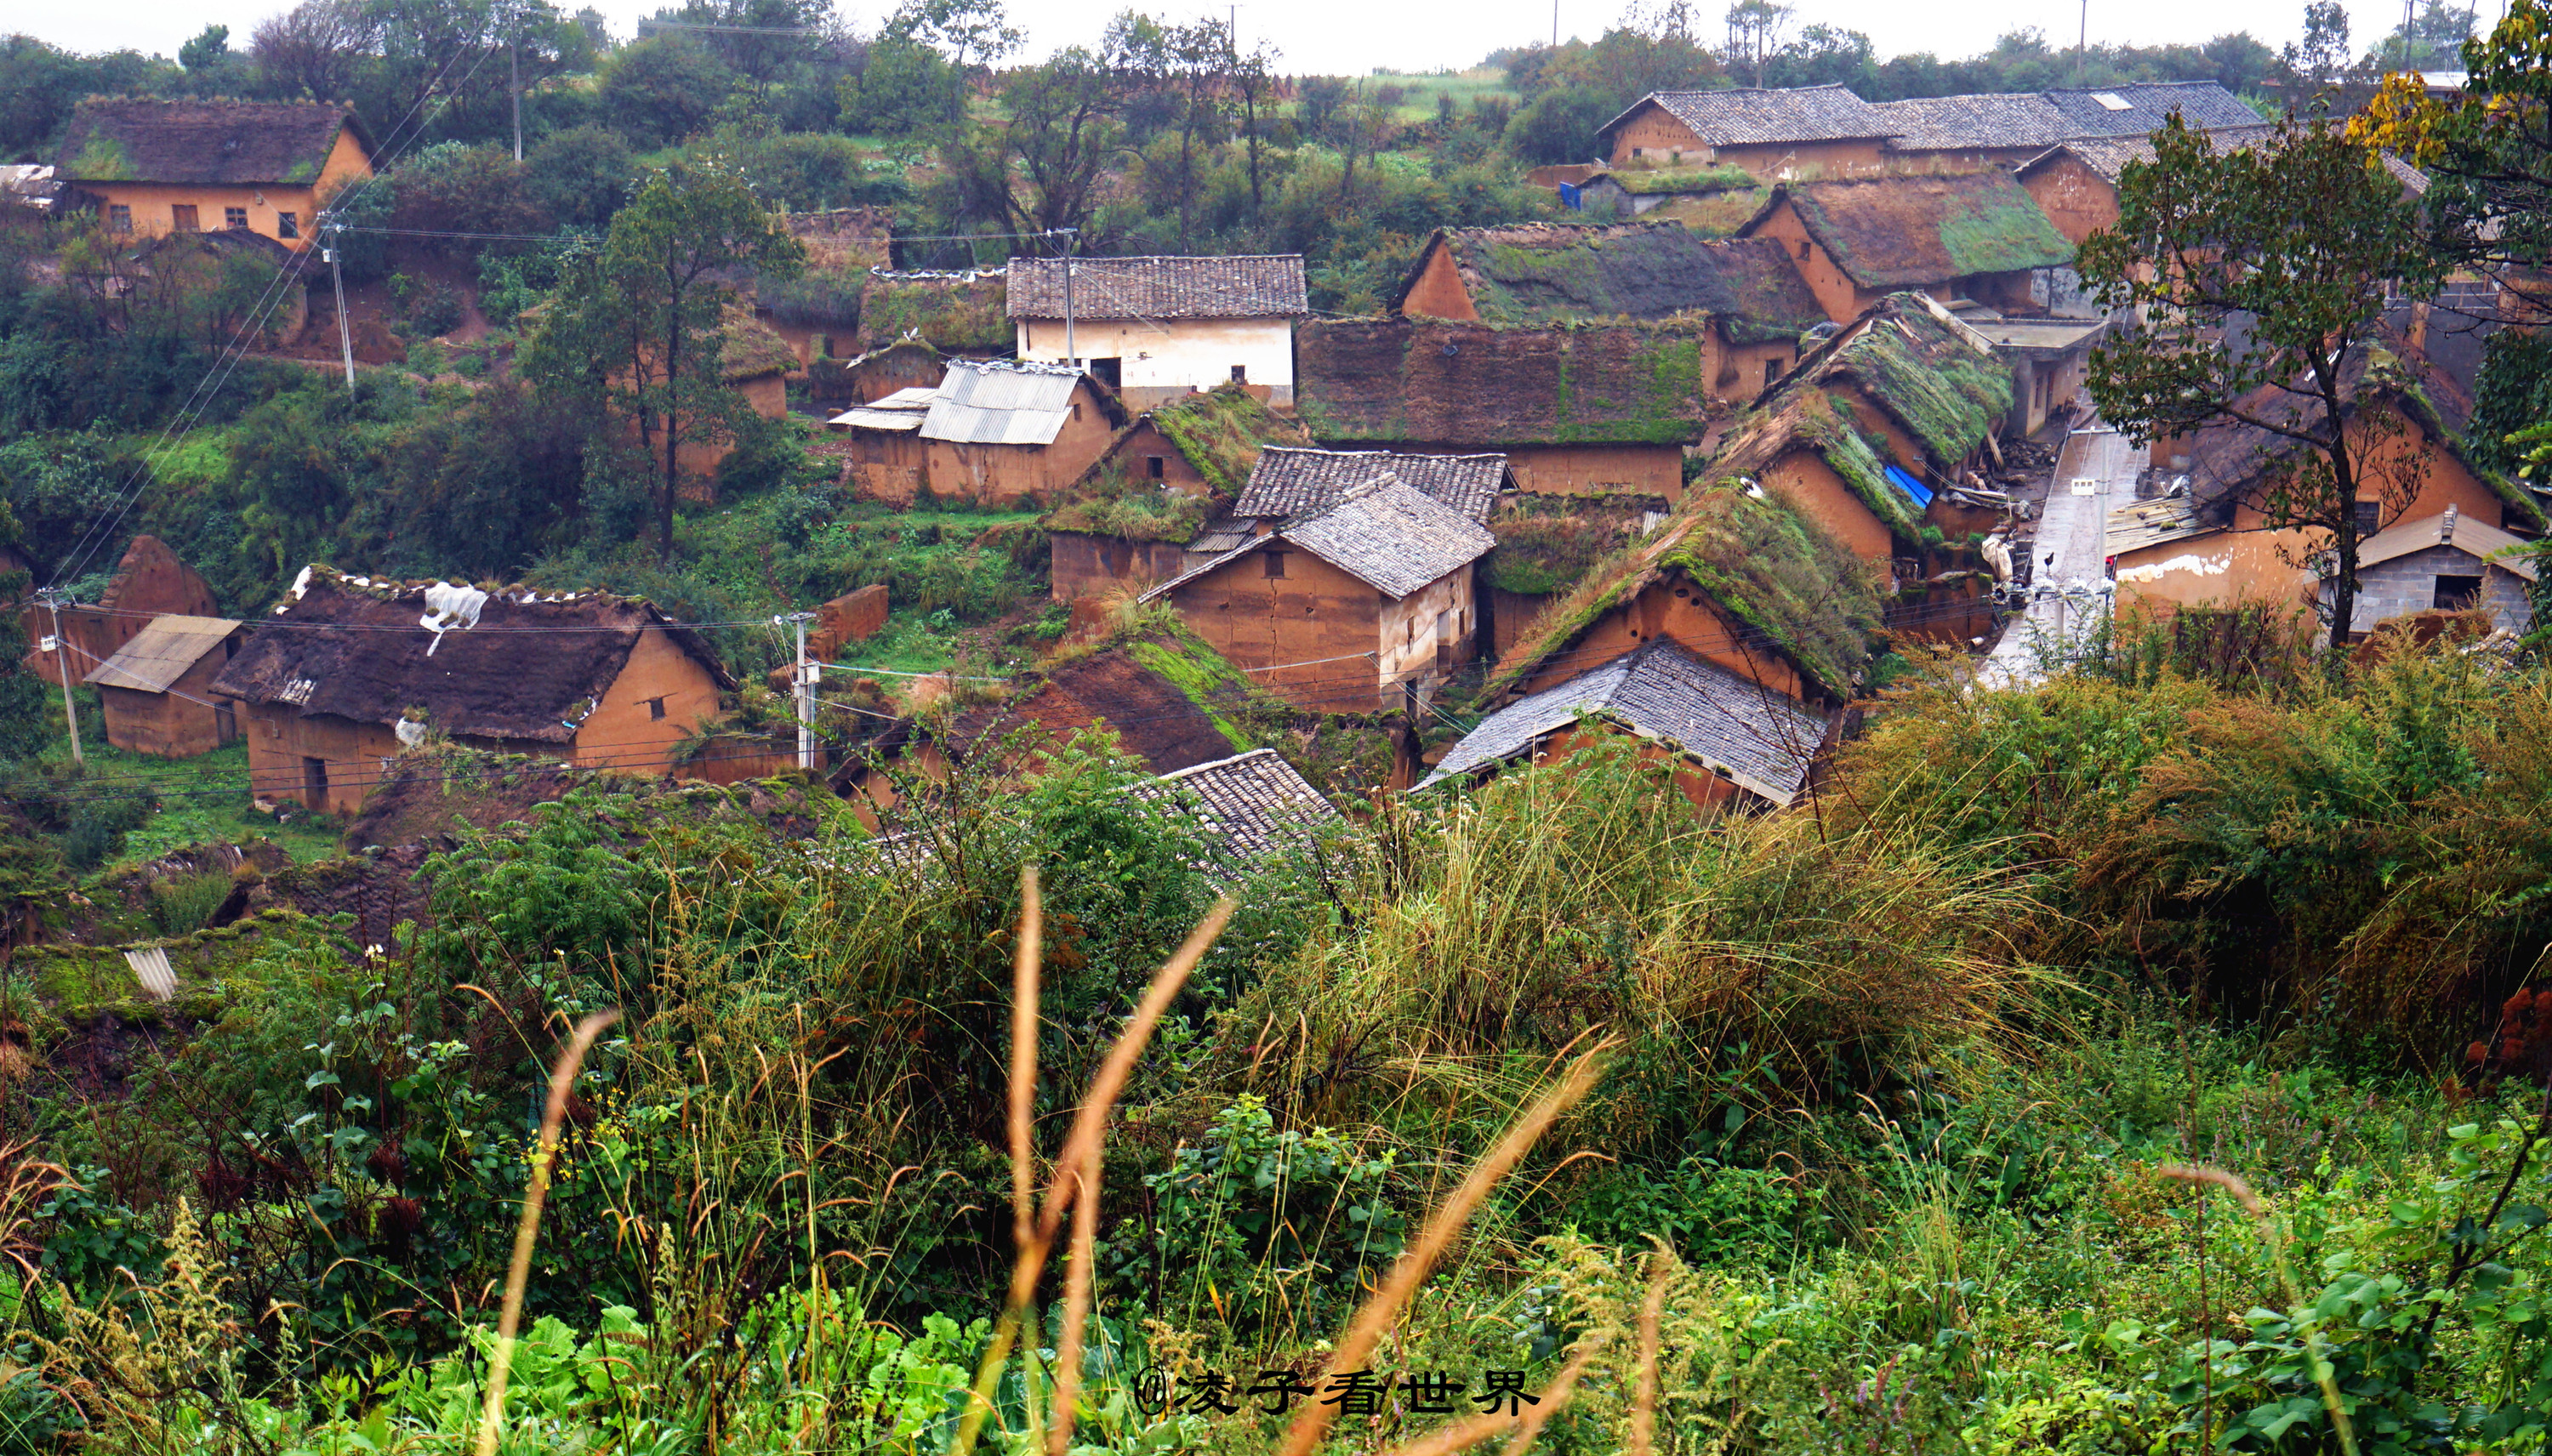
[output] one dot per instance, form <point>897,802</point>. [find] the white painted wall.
<point>1173,355</point>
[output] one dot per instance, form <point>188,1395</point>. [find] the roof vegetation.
<point>961,314</point>
<point>1221,432</point>
<point>1390,382</point>
<point>1907,231</point>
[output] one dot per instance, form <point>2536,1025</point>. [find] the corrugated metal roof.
<point>864,417</point>
<point>982,402</point>
<point>161,653</point>
<point>1760,740</point>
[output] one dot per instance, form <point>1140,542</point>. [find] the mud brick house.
<point>1577,409</point>
<point>1725,737</point>
<point>156,691</point>
<point>2006,128</point>
<point>149,581</point>
<point>1972,236</point>
<point>1127,520</point>
<point>2206,541</point>
<point>958,314</point>
<point>1737,578</point>
<point>1872,433</point>
<point>998,431</point>
<point>350,670</point>
<point>1539,273</point>
<point>1152,328</point>
<point>906,364</point>
<point>1823,131</point>
<point>819,311</point>
<point>147,166</point>
<point>1713,201</point>
<point>1358,603</point>
<point>2076,181</point>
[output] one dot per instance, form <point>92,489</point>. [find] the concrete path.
<point>2095,473</point>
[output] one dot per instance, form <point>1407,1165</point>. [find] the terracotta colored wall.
<point>2077,199</point>
<point>1652,131</point>
<point>1314,611</point>
<point>1599,470</point>
<point>177,724</point>
<point>150,202</point>
<point>1805,161</point>
<point>281,740</point>
<point>1131,460</point>
<point>1672,607</point>
<point>623,732</point>
<point>1429,632</point>
<point>1003,473</point>
<point>1438,292</point>
<point>1836,293</point>
<point>1093,565</point>
<point>1805,480</point>
<point>1740,375</point>
<point>854,616</point>
<point>769,397</point>
<point>1696,783</point>
<point>149,582</point>
<point>1510,613</point>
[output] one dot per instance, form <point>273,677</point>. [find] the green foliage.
<point>905,88</point>
<point>580,175</point>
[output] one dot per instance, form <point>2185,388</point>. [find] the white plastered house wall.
<point>1163,358</point>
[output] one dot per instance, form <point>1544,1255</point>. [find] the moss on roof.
<point>1795,588</point>
<point>1950,393</point>
<point>1391,382</point>
<point>1221,432</point>
<point>957,314</point>
<point>1897,231</point>
<point>1818,421</point>
<point>1648,181</point>
<point>748,348</point>
<point>1131,511</point>
<point>1556,272</point>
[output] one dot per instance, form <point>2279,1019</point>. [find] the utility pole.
<point>514,71</point>
<point>329,234</point>
<point>1071,350</point>
<point>1554,24</point>
<point>804,683</point>
<point>52,602</point>
<point>2082,49</point>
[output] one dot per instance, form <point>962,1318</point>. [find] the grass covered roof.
<point>1558,272</point>
<point>1397,382</point>
<point>1897,231</point>
<point>959,313</point>
<point>1944,385</point>
<point>1218,431</point>
<point>1794,590</point>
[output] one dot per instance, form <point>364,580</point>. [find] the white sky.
<point>1355,36</point>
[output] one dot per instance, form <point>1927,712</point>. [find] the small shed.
<point>1132,511</point>
<point>156,691</point>
<point>998,431</point>
<point>2445,562</point>
<point>1725,736</point>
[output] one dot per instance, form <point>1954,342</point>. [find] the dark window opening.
<point>287,225</point>
<point>1772,371</point>
<point>655,707</point>
<point>181,216</point>
<point>2370,517</point>
<point>2457,593</point>
<point>1275,565</point>
<point>1240,373</point>
<point>1108,372</point>
<point>1803,250</point>
<point>314,782</point>
<point>1154,464</point>
<point>225,720</point>
<point>118,218</point>
<point>233,217</point>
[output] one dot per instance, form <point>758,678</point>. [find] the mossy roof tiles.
<point>1896,232</point>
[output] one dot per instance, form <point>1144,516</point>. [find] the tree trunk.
<point>2343,587</point>
<point>673,418</point>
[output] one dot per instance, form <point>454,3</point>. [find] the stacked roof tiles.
<point>1247,287</point>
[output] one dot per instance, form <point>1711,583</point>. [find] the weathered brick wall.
<point>2408,584</point>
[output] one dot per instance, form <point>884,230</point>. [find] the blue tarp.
<point>1571,198</point>
<point>1908,484</point>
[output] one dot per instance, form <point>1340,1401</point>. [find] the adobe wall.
<point>1145,454</point>
<point>1701,787</point>
<point>1086,565</point>
<point>149,582</point>
<point>1745,371</point>
<point>282,742</point>
<point>1438,292</point>
<point>177,724</point>
<point>1599,470</point>
<point>1314,612</point>
<point>1836,292</point>
<point>1431,631</point>
<point>264,203</point>
<point>2077,199</point>
<point>852,617</point>
<point>1671,606</point>
<point>1809,161</point>
<point>660,697</point>
<point>1173,357</point>
<point>1001,475</point>
<point>1806,482</point>
<point>1656,132</point>
<point>1510,615</point>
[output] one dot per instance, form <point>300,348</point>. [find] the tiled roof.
<point>1390,537</point>
<point>2108,155</point>
<point>2471,537</point>
<point>1896,232</point>
<point>2136,110</point>
<point>201,142</point>
<point>1250,287</point>
<point>1252,805</point>
<point>1770,117</point>
<point>1956,123</point>
<point>1757,739</point>
<point>161,653</point>
<point>1552,272</point>
<point>1294,483</point>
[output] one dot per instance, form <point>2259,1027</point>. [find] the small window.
<point>1275,565</point>
<point>2457,593</point>
<point>181,216</point>
<point>1154,464</point>
<point>118,218</point>
<point>1240,373</point>
<point>1076,409</point>
<point>233,217</point>
<point>655,708</point>
<point>1638,152</point>
<point>1772,371</point>
<point>1803,250</point>
<point>2370,517</point>
<point>287,225</point>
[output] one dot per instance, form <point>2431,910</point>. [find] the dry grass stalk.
<point>1024,1051</point>
<point>1080,1155</point>
<point>2258,1208</point>
<point>1643,1390</point>
<point>1366,1333</point>
<point>561,1078</point>
<point>1075,1309</point>
<point>1554,1396</point>
<point>1475,1430</point>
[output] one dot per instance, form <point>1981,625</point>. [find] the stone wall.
<point>2408,584</point>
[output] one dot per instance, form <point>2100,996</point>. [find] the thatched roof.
<point>530,668</point>
<point>1218,431</point>
<point>1388,381</point>
<point>1901,232</point>
<point>202,143</point>
<point>1169,698</point>
<point>1939,381</point>
<point>1262,286</point>
<point>958,313</point>
<point>1797,592</point>
<point>1554,272</point>
<point>749,348</point>
<point>1745,117</point>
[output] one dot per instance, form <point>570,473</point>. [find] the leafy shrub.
<point>183,903</point>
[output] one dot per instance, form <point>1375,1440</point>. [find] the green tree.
<point>635,327</point>
<point>905,87</point>
<point>2320,57</point>
<point>580,176</point>
<point>22,714</point>
<point>662,89</point>
<point>2296,236</point>
<point>1039,167</point>
<point>207,50</point>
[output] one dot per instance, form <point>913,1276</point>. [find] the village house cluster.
<point>1668,470</point>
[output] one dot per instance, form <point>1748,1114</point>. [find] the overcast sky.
<point>1355,36</point>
